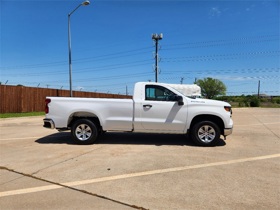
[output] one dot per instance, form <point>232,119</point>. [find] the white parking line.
<point>34,137</point>
<point>11,139</point>
<point>258,124</point>
<point>138,174</point>
<point>38,137</point>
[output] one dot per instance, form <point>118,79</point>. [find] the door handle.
<point>147,106</point>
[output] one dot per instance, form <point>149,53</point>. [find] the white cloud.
<point>250,8</point>
<point>215,12</point>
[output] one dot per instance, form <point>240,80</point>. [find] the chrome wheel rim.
<point>206,134</point>
<point>83,132</point>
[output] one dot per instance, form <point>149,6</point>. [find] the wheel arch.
<point>205,117</point>
<point>86,115</point>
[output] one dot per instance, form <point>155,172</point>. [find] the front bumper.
<point>48,123</point>
<point>227,131</point>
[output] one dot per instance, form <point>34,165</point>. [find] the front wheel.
<point>205,133</point>
<point>84,131</point>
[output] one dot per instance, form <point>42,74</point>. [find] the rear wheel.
<point>205,133</point>
<point>84,131</point>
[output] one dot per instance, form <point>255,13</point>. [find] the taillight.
<point>47,101</point>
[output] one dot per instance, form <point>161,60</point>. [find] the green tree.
<point>211,87</point>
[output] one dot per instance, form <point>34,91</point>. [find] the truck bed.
<point>116,114</point>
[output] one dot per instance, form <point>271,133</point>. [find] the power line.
<point>221,56</point>
<point>99,57</point>
<point>219,71</point>
<point>213,43</point>
<point>89,69</point>
<point>242,40</point>
<point>115,55</point>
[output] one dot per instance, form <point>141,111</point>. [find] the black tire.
<point>84,131</point>
<point>205,133</point>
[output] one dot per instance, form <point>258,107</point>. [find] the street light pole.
<point>85,3</point>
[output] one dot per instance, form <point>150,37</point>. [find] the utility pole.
<point>182,80</point>
<point>259,86</point>
<point>156,38</point>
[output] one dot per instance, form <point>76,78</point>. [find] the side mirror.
<point>180,100</point>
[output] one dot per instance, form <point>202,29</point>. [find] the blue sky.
<point>237,42</point>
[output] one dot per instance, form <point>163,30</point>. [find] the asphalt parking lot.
<point>44,169</point>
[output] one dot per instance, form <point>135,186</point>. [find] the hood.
<point>208,102</point>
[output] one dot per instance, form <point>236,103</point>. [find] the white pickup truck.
<point>155,108</point>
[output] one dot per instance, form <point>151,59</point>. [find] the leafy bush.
<point>250,101</point>
<point>276,100</point>
<point>254,102</point>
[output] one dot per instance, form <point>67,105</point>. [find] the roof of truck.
<point>186,89</point>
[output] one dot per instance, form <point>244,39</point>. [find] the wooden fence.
<point>18,99</point>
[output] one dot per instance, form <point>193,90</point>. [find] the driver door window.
<point>158,93</point>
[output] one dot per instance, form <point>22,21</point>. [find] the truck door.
<point>160,112</point>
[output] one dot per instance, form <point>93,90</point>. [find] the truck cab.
<point>159,109</point>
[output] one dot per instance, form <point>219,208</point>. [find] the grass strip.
<point>24,114</point>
